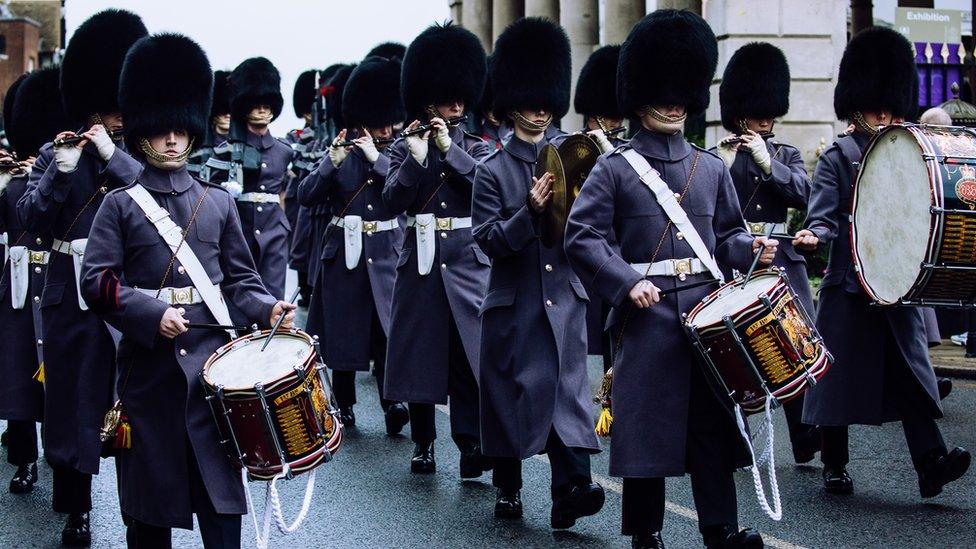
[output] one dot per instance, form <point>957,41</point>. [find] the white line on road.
<point>615,486</point>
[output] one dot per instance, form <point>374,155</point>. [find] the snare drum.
<point>913,224</point>
<point>757,340</point>
<point>272,408</point>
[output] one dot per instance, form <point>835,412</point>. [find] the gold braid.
<point>529,125</point>
<point>153,154</point>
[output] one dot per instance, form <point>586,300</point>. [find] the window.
<point>3,44</point>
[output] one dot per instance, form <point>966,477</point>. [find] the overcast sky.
<point>294,34</point>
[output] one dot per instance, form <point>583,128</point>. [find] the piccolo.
<point>615,131</point>
<point>426,127</point>
<point>736,139</point>
<point>75,139</point>
<point>350,143</point>
<point>6,167</point>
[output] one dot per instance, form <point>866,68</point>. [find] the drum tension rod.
<point>938,210</point>
<point>263,397</point>
<point>700,346</point>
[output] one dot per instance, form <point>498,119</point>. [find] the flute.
<point>350,143</point>
<point>426,127</point>
<point>74,140</point>
<point>736,139</point>
<point>6,167</point>
<point>615,131</point>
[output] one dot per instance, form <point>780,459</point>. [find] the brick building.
<point>31,36</point>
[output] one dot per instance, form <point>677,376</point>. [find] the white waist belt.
<point>440,223</point>
<point>259,198</point>
<point>76,249</point>
<point>671,267</point>
<point>759,228</point>
<point>175,296</point>
<point>425,224</point>
<point>353,228</point>
<point>366,226</point>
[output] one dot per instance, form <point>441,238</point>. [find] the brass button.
<point>182,352</point>
<point>677,195</point>
<point>443,266</point>
<point>181,310</point>
<point>443,235</point>
<point>548,268</point>
<point>260,209</point>
<point>257,231</point>
<point>680,236</point>
<point>40,342</point>
<point>37,299</point>
<point>262,187</point>
<point>369,260</point>
<point>181,269</point>
<point>758,207</point>
<point>443,204</point>
<point>443,175</point>
<point>682,277</point>
<point>369,181</point>
<point>548,303</point>
<point>264,164</point>
<point>39,241</point>
<point>369,207</point>
<point>756,179</point>
<point>37,270</point>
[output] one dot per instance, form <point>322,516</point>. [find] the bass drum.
<point>913,223</point>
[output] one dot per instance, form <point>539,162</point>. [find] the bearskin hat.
<point>335,86</point>
<point>389,50</point>
<point>255,82</point>
<point>221,94</point>
<point>756,84</point>
<point>596,88</point>
<point>531,68</point>
<point>38,112</point>
<point>669,58</point>
<point>304,94</point>
<point>93,62</point>
<point>877,72</point>
<point>487,96</point>
<point>8,108</point>
<point>444,63</point>
<point>371,97</point>
<point>167,84</point>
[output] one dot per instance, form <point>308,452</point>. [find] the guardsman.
<point>769,178</point>
<point>667,420</point>
<point>441,273</point>
<point>32,114</point>
<point>353,287</point>
<point>132,280</point>
<point>217,128</point>
<point>890,379</point>
<point>300,140</point>
<point>66,186</point>
<point>535,394</point>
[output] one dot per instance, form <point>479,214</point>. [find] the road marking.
<point>617,487</point>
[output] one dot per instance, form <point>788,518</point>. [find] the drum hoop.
<point>793,388</point>
<point>778,287</point>
<point>248,340</point>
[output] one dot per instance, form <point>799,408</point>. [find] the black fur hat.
<point>8,108</point>
<point>596,88</point>
<point>389,50</point>
<point>371,97</point>
<point>93,62</point>
<point>167,84</point>
<point>38,113</point>
<point>334,88</point>
<point>487,95</point>
<point>756,84</point>
<point>221,94</point>
<point>669,58</point>
<point>304,94</point>
<point>531,68</point>
<point>877,72</point>
<point>255,82</point>
<point>444,63</point>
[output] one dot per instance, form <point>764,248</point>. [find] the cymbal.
<point>554,220</point>
<point>579,154</point>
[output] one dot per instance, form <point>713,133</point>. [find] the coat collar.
<point>163,181</point>
<point>523,150</point>
<point>262,142</point>
<point>660,146</point>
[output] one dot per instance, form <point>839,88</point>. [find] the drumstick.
<point>755,260</point>
<point>216,327</point>
<point>664,293</point>
<point>281,319</point>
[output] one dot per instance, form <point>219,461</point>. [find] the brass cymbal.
<point>554,218</point>
<point>578,153</point>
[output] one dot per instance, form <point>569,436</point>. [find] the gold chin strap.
<point>152,153</point>
<point>862,124</point>
<point>663,118</point>
<point>260,119</point>
<point>529,125</point>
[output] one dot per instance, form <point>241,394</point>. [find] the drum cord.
<point>272,507</point>
<point>775,511</point>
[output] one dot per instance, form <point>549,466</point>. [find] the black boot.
<point>580,501</point>
<point>837,481</point>
<point>24,479</point>
<point>422,461</point>
<point>726,537</point>
<point>473,462</point>
<point>508,505</point>
<point>647,541</point>
<point>396,417</point>
<point>945,387</point>
<point>77,531</point>
<point>939,469</point>
<point>347,417</point>
<point>806,445</point>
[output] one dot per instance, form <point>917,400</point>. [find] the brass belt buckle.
<point>682,267</point>
<point>444,223</point>
<point>369,226</point>
<point>182,296</point>
<point>37,258</point>
<point>757,228</point>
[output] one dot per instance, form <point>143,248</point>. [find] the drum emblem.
<point>798,332</point>
<point>966,186</point>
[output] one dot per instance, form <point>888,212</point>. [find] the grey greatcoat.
<point>652,371</point>
<point>424,306</point>
<point>861,337</point>
<point>164,398</point>
<point>533,321</point>
<point>80,359</point>
<point>345,300</point>
<point>21,396</point>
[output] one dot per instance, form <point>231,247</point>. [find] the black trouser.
<point>462,389</point>
<point>21,442</point>
<point>794,419</point>
<point>921,431</point>
<point>570,467</point>
<point>216,530</point>
<point>344,382</point>
<point>709,460</point>
<point>71,490</point>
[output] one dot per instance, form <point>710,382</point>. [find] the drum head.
<point>891,215</point>
<point>245,365</point>
<point>733,298</point>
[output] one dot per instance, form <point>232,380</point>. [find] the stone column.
<point>503,14</point>
<point>690,5</point>
<point>542,8</point>
<point>476,15</point>
<point>812,35</point>
<point>455,7</point>
<point>580,18</point>
<point>619,16</point>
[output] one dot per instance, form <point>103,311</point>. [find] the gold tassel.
<point>123,436</point>
<point>604,424</point>
<point>39,374</point>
